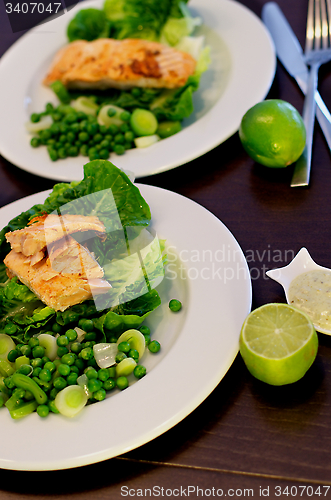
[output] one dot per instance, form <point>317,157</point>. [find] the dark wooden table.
<point>246,439</point>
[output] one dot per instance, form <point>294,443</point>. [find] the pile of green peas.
<point>76,133</point>
<point>73,359</point>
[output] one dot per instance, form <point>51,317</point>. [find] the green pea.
<point>12,355</point>
<point>129,136</point>
<point>52,407</point>
<point>99,395</point>
<point>45,375</point>
<point>83,136</point>
<point>36,362</point>
<point>125,116</point>
<point>71,335</point>
<point>144,330</point>
<point>91,372</point>
<point>56,328</point>
<point>90,336</point>
<point>139,371</point>
<point>119,139</point>
<point>72,378</point>
<point>69,358</point>
<point>26,350</point>
<point>35,118</point>
<point>120,356</point>
<point>122,383</point>
<point>134,354</point>
<point>62,153</point>
<point>86,324</point>
<point>112,371</point>
<point>52,154</point>
<point>103,374</point>
<point>86,353</point>
<point>154,346</point>
<point>10,329</point>
<point>62,351</point>
<point>175,305</point>
<point>62,341</point>
<point>73,151</point>
<point>33,342</point>
<point>35,142</point>
<point>94,385</point>
<point>124,347</point>
<point>60,383</point>
<point>63,369</point>
<point>76,347</point>
<point>113,129</point>
<point>104,154</point>
<point>49,365</point>
<point>119,149</point>
<point>109,384</point>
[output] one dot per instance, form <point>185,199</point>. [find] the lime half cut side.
<point>278,343</point>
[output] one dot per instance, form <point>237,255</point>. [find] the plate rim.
<point>174,355</point>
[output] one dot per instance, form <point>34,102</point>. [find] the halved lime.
<point>278,343</point>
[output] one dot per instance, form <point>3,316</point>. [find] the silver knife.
<point>290,54</point>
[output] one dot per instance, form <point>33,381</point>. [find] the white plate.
<point>209,274</point>
<point>242,70</point>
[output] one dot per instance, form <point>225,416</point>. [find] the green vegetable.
<point>154,346</point>
<point>88,24</point>
<point>168,128</point>
<point>24,382</point>
<point>61,92</point>
<point>139,18</point>
<point>175,305</point>
<point>143,122</point>
<point>70,400</point>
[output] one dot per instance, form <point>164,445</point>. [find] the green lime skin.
<point>273,133</point>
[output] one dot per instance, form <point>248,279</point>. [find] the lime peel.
<point>273,133</point>
<point>287,352</point>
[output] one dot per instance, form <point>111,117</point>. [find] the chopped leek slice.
<point>49,343</point>
<point>125,367</point>
<point>135,339</point>
<point>6,345</point>
<point>145,141</point>
<point>105,354</point>
<point>71,400</point>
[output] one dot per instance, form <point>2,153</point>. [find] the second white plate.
<point>241,73</point>
<point>207,271</point>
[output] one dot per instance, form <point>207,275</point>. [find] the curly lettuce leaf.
<point>139,18</point>
<point>128,315</point>
<point>88,24</point>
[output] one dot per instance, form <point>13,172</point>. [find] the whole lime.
<point>273,133</point>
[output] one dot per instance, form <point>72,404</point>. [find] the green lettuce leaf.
<point>128,315</point>
<point>88,24</point>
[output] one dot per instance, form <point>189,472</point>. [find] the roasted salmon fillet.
<point>59,270</point>
<point>120,64</point>
<point>44,230</point>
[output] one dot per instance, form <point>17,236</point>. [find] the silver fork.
<point>317,52</point>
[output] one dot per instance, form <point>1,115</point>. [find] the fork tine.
<point>325,26</point>
<point>328,10</point>
<point>318,27</point>
<point>310,27</point>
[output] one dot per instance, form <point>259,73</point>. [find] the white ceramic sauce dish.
<point>302,263</point>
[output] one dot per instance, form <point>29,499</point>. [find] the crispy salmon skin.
<point>121,64</point>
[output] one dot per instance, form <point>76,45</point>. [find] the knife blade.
<point>290,54</point>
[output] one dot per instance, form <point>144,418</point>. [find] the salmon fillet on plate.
<point>45,257</point>
<point>121,64</point>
